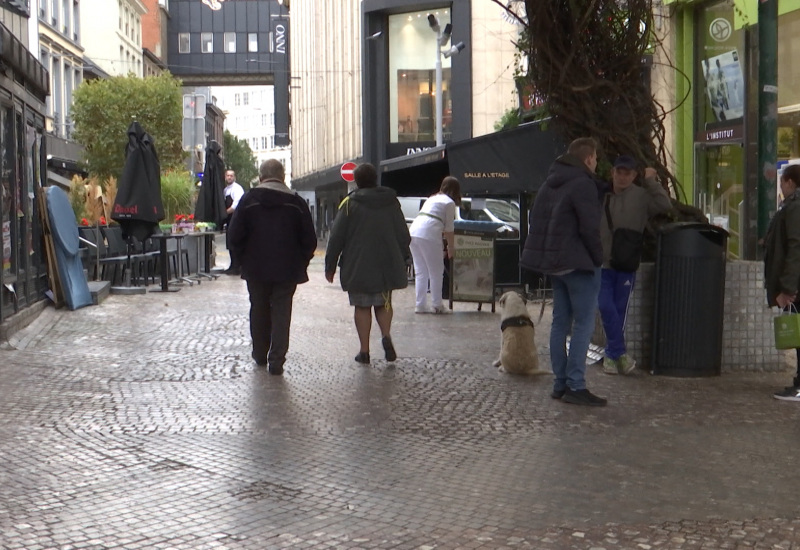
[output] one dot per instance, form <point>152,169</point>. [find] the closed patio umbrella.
<point>138,207</point>
<point>211,200</point>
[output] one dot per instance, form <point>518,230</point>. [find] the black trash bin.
<point>689,292</point>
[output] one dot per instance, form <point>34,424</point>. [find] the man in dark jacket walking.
<point>371,237</point>
<point>564,243</point>
<point>273,235</point>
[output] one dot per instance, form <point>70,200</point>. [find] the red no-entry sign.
<point>347,171</point>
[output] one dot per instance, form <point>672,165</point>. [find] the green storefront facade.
<point>716,128</point>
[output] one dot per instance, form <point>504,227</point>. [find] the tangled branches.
<point>585,60</point>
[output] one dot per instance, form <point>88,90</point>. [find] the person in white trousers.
<point>434,223</point>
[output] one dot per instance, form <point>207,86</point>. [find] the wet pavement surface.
<point>144,423</point>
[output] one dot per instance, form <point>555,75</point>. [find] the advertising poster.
<point>473,268</point>
<point>724,85</point>
<point>6,245</point>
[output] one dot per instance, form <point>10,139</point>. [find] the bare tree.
<point>585,61</point>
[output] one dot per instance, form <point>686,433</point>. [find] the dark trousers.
<point>270,318</point>
<point>234,261</point>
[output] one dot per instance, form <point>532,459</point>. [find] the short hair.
<point>792,173</point>
<point>366,176</point>
<point>452,188</point>
<point>232,171</point>
<point>583,148</point>
<point>271,170</point>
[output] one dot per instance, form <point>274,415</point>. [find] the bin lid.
<point>693,226</point>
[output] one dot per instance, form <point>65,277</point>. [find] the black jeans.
<point>270,318</point>
<point>234,261</point>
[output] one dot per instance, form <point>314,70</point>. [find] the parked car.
<point>499,211</point>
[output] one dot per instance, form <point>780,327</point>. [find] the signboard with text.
<point>472,274</point>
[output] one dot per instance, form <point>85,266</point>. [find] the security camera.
<point>454,50</point>
<point>433,22</point>
<point>448,29</point>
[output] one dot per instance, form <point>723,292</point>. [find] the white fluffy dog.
<point>518,350</point>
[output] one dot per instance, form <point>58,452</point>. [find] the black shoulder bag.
<point>626,245</point>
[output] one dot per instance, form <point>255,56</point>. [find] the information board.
<point>472,273</point>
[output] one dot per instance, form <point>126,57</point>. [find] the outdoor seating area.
<point>164,258</point>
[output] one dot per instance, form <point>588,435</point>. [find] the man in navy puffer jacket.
<point>564,243</point>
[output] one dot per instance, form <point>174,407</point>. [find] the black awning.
<point>419,174</point>
<point>505,162</point>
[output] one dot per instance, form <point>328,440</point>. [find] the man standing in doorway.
<point>564,243</point>
<point>233,194</point>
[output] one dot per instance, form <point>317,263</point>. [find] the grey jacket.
<point>632,208</point>
<point>370,242</point>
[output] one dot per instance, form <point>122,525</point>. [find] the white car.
<point>493,210</point>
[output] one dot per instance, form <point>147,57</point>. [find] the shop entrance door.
<point>719,189</point>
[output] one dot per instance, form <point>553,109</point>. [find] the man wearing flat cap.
<point>627,208</point>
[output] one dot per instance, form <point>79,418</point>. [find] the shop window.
<point>252,42</point>
<point>721,95</point>
<point>412,78</point>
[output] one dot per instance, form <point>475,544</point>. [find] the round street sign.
<point>347,171</point>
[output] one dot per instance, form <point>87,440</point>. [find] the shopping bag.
<point>787,329</point>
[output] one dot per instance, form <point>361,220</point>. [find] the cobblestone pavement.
<point>143,423</point>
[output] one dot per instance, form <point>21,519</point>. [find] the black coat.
<point>211,200</point>
<point>137,206</point>
<point>782,255</point>
<point>565,220</point>
<point>272,234</point>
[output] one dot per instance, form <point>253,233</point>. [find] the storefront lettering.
<point>719,134</point>
<point>413,150</point>
<point>483,175</point>
<point>280,39</point>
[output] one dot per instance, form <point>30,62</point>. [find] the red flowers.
<point>184,218</point>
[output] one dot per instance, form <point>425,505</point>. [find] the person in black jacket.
<point>370,242</point>
<point>564,243</point>
<point>273,236</point>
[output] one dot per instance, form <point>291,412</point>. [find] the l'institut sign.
<point>233,42</point>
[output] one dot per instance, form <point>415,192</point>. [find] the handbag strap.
<point>608,212</point>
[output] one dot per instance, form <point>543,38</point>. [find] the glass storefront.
<point>788,88</point>
<point>412,78</point>
<point>21,175</point>
<point>720,105</point>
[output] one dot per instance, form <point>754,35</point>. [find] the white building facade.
<point>61,54</point>
<point>115,41</point>
<point>250,116</point>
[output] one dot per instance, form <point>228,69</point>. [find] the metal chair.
<point>118,248</point>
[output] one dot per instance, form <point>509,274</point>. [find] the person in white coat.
<point>433,224</point>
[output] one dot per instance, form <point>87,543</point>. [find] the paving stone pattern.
<point>143,423</point>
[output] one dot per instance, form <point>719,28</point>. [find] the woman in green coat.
<point>782,259</point>
<point>369,242</point>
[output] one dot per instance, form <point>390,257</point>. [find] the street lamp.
<point>442,38</point>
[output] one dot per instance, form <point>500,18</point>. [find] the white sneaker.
<point>788,394</point>
<point>440,310</point>
<point>421,309</point>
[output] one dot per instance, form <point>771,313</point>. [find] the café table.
<point>167,284</point>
